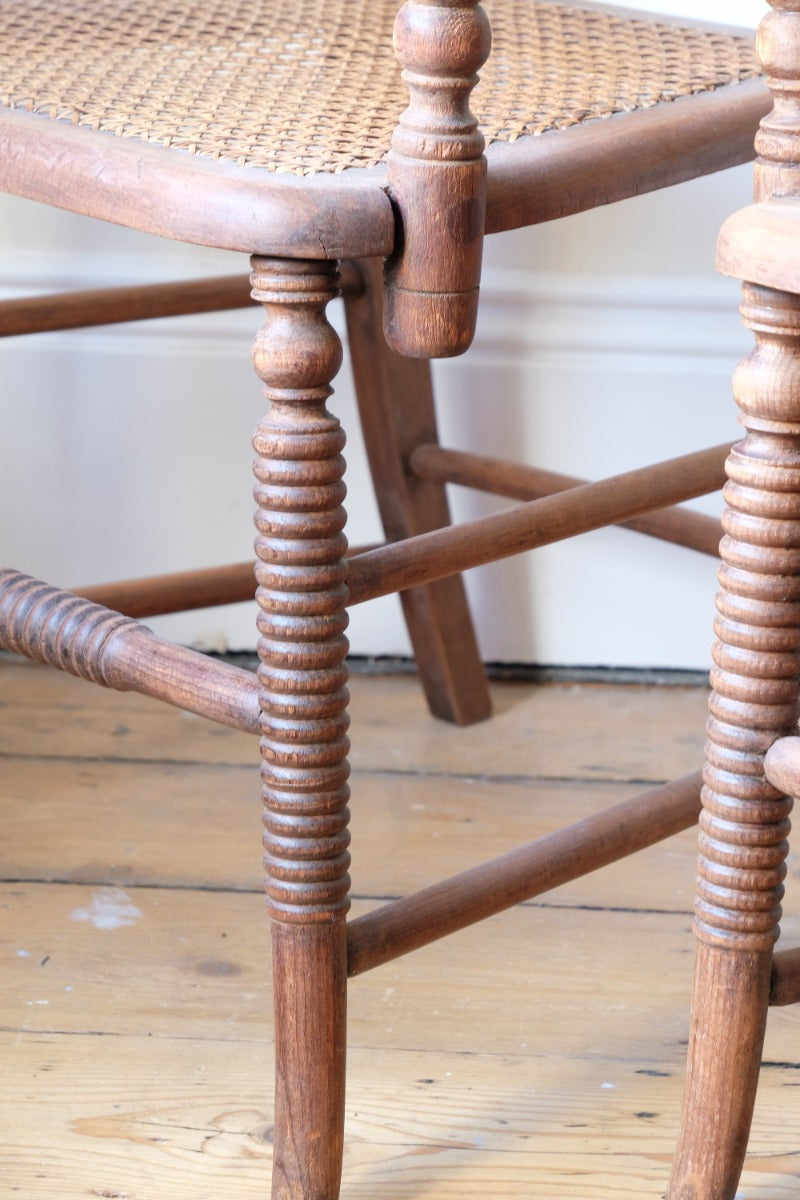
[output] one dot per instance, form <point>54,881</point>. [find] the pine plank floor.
<point>539,1055</point>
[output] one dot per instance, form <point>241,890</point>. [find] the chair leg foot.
<point>310,977</point>
<point>728,1021</point>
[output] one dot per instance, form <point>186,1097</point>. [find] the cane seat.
<point>312,88</point>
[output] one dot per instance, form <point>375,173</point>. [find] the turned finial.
<point>778,139</point>
<point>437,180</point>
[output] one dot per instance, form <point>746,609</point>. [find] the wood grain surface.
<point>539,1055</point>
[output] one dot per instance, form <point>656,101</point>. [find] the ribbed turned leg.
<point>745,821</point>
<point>302,647</point>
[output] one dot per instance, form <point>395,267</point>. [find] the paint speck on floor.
<point>110,908</point>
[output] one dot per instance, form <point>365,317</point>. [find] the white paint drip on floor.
<point>110,908</point>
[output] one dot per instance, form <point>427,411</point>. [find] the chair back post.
<point>777,171</point>
<point>437,180</point>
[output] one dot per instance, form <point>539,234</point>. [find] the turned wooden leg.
<point>395,399</point>
<point>301,595</point>
<point>744,825</point>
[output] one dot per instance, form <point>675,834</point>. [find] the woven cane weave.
<point>309,86</point>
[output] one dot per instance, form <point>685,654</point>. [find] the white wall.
<point>604,342</point>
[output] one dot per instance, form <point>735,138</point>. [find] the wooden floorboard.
<point>539,1055</point>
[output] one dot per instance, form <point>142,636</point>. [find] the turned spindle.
<point>300,547</point>
<point>754,701</point>
<point>755,698</point>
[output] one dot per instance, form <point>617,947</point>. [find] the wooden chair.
<point>753,755</point>
<point>264,127</point>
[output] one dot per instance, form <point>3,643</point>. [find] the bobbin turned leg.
<point>302,647</point>
<point>745,822</point>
